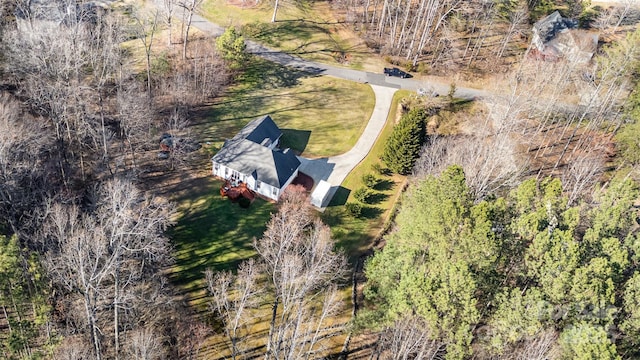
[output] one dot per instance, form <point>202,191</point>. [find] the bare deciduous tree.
<point>133,225</point>
<point>610,19</point>
<point>297,256</point>
<point>103,252</point>
<point>196,79</point>
<point>234,296</point>
<point>145,29</point>
<point>516,18</point>
<point>72,348</point>
<point>169,12</point>
<point>583,174</point>
<point>22,140</point>
<point>540,347</point>
<point>303,269</point>
<point>78,264</point>
<point>407,338</point>
<point>135,118</point>
<point>189,7</point>
<point>63,69</point>
<point>487,168</point>
<point>144,344</point>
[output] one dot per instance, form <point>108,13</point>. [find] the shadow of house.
<point>297,140</point>
<point>340,196</point>
<point>253,158</point>
<point>555,38</point>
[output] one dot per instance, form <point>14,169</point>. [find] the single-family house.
<point>254,158</point>
<point>556,37</point>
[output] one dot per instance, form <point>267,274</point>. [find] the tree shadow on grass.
<point>377,198</point>
<point>384,185</point>
<point>217,236</point>
<point>303,37</point>
<point>264,74</point>
<point>333,217</point>
<point>370,212</point>
<point>273,34</point>
<point>221,121</point>
<point>297,140</point>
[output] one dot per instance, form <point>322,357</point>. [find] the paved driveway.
<point>336,168</point>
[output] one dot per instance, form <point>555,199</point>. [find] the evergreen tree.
<point>22,302</point>
<point>232,48</point>
<point>528,267</point>
<point>430,265</point>
<point>585,342</point>
<point>403,147</point>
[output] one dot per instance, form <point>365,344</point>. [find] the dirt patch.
<point>556,148</point>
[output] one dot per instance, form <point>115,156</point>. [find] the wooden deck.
<point>235,192</point>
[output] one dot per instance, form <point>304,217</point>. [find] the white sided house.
<point>253,157</point>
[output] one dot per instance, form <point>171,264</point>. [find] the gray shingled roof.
<point>244,155</point>
<point>548,27</point>
<point>259,129</point>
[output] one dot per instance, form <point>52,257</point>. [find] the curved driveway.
<point>336,168</point>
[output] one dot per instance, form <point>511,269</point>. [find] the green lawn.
<point>355,235</point>
<point>310,29</point>
<point>213,232</point>
<point>319,115</point>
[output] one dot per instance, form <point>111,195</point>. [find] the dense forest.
<point>524,275</point>
<point>517,235</point>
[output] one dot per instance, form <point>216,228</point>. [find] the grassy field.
<point>319,115</point>
<point>310,29</point>
<point>355,234</point>
<point>213,232</point>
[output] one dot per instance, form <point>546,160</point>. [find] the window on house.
<point>226,172</point>
<point>275,191</point>
<point>216,166</point>
<point>257,184</point>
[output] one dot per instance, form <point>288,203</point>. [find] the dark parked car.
<point>396,72</point>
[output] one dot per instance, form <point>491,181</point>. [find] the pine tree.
<point>403,147</point>
<point>232,48</point>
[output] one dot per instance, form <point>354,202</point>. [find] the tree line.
<point>473,267</point>
<point>439,36</point>
<point>296,275</point>
<point>83,247</point>
<point>517,237</point>
<point>519,275</point>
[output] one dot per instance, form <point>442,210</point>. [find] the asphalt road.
<point>378,79</point>
<point>312,67</point>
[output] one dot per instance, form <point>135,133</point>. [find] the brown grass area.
<point>545,149</point>
<point>216,346</point>
<point>243,4</point>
